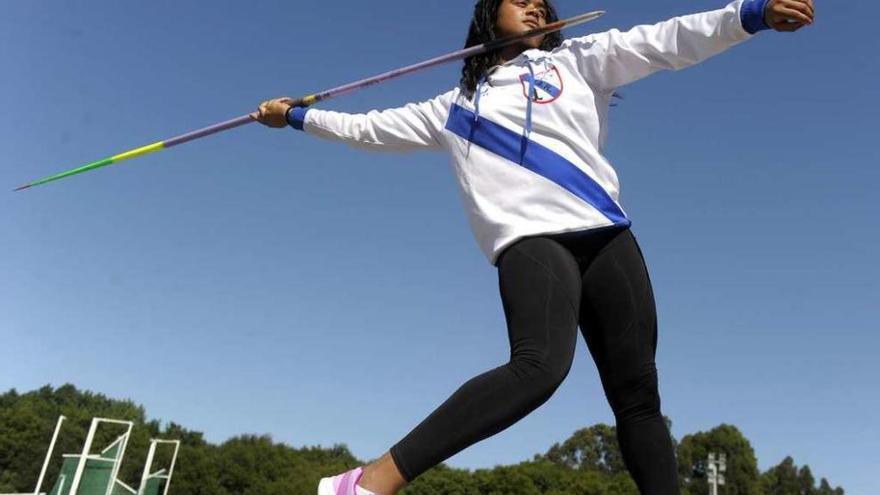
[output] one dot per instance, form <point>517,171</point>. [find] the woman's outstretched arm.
<point>411,127</point>
<point>614,58</point>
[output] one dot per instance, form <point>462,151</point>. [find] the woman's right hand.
<point>273,113</point>
<point>789,15</point>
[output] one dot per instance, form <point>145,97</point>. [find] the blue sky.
<point>264,281</point>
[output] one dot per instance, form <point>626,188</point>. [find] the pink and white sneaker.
<point>342,484</point>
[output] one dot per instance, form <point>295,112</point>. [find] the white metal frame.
<point>117,460</point>
<point>149,464</point>
<point>81,465</point>
<point>49,455</point>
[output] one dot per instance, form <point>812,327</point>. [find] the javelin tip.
<point>19,188</point>
<point>580,19</point>
<point>589,16</point>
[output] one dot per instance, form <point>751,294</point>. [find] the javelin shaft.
<point>311,99</point>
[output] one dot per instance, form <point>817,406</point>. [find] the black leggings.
<point>549,285</point>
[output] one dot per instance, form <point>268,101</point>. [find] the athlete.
<point>525,130</point>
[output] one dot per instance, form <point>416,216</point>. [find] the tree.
<point>742,475</point>
<point>786,479</point>
<point>806,482</point>
<point>588,462</point>
<point>593,448</point>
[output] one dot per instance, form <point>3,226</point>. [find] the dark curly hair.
<point>482,30</point>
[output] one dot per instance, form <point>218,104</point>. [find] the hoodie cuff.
<point>296,117</point>
<point>752,15</point>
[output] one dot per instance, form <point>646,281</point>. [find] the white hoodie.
<point>529,166</point>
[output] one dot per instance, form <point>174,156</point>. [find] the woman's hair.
<point>482,30</point>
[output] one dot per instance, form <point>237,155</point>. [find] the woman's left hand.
<point>789,15</point>
<point>273,113</point>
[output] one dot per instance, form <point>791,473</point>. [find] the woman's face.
<point>519,16</point>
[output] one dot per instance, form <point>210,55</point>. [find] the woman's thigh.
<point>619,322</point>
<point>540,285</point>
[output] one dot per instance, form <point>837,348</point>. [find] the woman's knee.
<point>542,372</point>
<point>634,396</point>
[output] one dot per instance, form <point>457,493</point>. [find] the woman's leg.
<point>540,286</point>
<point>618,320</point>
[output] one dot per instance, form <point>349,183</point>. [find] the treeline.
<point>589,462</point>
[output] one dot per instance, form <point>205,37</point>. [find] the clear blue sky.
<point>265,281</point>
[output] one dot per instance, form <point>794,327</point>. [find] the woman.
<point>525,129</point>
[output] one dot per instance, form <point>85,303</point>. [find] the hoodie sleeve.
<point>614,58</point>
<point>412,127</point>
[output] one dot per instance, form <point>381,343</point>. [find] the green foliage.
<point>589,449</point>
<point>786,479</point>
<point>588,462</point>
<point>742,465</point>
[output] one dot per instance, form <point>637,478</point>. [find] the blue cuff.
<point>752,15</point>
<point>296,117</point>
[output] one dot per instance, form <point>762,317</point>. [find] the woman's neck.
<point>510,52</point>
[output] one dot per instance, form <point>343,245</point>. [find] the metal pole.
<point>118,461</point>
<point>74,485</point>
<point>147,466</point>
<point>715,470</point>
<point>171,469</point>
<point>712,478</point>
<point>49,455</point>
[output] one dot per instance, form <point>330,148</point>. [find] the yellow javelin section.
<point>310,100</point>
<point>138,151</point>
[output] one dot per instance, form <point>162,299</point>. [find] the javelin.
<point>311,99</point>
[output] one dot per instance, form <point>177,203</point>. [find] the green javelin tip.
<point>79,170</point>
<point>143,150</point>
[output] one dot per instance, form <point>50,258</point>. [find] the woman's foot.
<point>381,477</point>
<point>344,484</point>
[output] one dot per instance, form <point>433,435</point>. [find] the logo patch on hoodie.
<point>548,84</point>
